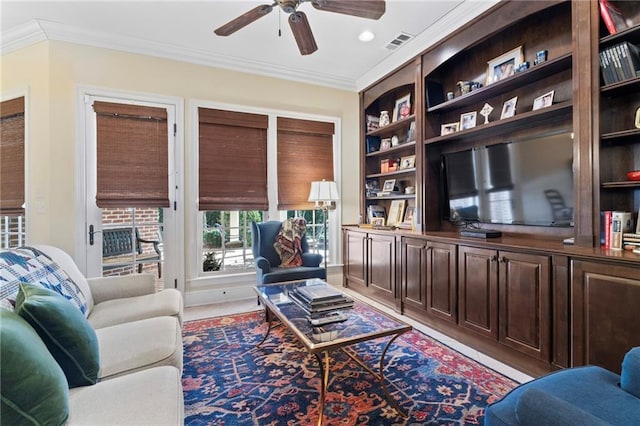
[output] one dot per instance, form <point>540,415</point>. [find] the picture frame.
<point>468,120</point>
<point>504,65</point>
<point>402,106</point>
<point>447,129</point>
<point>407,162</point>
<point>509,108</point>
<point>408,214</point>
<point>543,101</point>
<point>411,133</point>
<point>377,221</point>
<point>385,144</point>
<point>389,185</point>
<point>396,212</point>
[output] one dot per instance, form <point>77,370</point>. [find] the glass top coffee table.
<point>335,336</point>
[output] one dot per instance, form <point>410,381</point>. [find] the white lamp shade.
<point>324,191</point>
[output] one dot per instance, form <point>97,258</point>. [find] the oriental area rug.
<point>227,380</point>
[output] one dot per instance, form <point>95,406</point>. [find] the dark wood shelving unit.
<point>390,128</point>
<point>532,118</point>
<point>533,74</point>
<point>393,173</point>
<point>397,148</point>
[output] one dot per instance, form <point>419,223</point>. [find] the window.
<point>244,157</point>
<point>12,199</point>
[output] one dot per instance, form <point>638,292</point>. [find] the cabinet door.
<point>354,259</point>
<point>414,272</point>
<point>605,316</point>
<point>478,290</point>
<point>524,303</point>
<point>441,273</point>
<point>381,267</point>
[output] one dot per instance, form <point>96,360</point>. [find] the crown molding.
<point>40,30</point>
<point>457,17</point>
<point>21,36</point>
<point>36,31</point>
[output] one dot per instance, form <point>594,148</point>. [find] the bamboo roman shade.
<point>12,157</point>
<point>132,159</point>
<point>305,154</point>
<point>232,160</point>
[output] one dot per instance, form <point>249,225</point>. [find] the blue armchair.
<point>586,396</point>
<point>267,261</point>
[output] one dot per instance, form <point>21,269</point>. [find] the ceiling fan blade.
<point>302,33</point>
<point>244,20</point>
<point>370,9</point>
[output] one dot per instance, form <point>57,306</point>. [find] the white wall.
<point>52,70</point>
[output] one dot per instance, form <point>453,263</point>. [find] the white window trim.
<point>195,277</point>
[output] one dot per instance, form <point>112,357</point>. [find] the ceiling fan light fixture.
<point>366,36</point>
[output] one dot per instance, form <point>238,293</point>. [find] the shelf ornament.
<point>485,111</point>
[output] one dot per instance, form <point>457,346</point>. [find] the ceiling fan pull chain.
<point>279,22</point>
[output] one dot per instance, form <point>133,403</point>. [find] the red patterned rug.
<point>229,381</point>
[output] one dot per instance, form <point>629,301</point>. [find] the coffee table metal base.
<point>325,366</point>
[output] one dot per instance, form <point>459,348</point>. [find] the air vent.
<point>398,41</point>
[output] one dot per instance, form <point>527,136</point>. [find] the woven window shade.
<point>12,157</point>
<point>232,162</point>
<point>133,168</point>
<point>305,154</point>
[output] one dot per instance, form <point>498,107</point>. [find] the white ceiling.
<point>183,30</point>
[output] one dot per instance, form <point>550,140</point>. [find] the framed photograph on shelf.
<point>402,108</point>
<point>375,214</point>
<point>385,144</point>
<point>468,120</point>
<point>389,185</point>
<point>504,65</point>
<point>396,212</point>
<point>509,108</point>
<point>447,129</point>
<point>411,133</point>
<point>408,162</point>
<point>543,101</point>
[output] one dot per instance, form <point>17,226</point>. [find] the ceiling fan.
<point>371,9</point>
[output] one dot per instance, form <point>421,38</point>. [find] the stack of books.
<point>620,62</point>
<point>631,241</point>
<point>321,303</point>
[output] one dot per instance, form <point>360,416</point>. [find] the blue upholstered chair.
<point>585,396</point>
<point>267,261</point>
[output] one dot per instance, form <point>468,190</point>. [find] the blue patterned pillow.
<point>29,265</point>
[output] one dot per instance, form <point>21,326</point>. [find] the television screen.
<point>523,182</point>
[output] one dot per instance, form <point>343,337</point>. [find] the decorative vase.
<point>384,118</point>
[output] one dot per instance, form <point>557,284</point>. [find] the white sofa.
<point>139,334</point>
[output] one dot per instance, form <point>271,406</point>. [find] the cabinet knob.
<point>502,259</point>
<point>494,258</point>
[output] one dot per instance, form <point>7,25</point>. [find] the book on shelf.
<point>621,223</point>
<point>620,62</point>
<point>613,18</point>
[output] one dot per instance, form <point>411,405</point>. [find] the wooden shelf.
<point>622,184</point>
<point>550,114</point>
<point>520,79</point>
<point>401,147</point>
<point>393,197</point>
<point>620,87</point>
<point>394,173</point>
<point>623,134</point>
<point>390,128</point>
<point>630,34</point>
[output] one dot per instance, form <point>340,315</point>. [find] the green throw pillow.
<point>64,329</point>
<point>33,389</point>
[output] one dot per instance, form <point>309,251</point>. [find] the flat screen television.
<point>521,182</point>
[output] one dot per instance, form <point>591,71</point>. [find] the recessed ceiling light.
<point>366,36</point>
